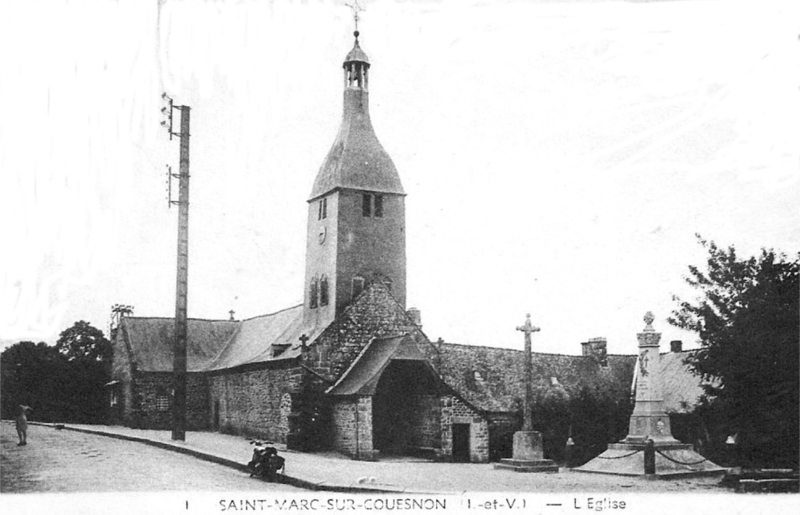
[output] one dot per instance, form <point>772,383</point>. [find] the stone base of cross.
<point>528,455</point>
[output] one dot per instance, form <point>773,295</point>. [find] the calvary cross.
<point>528,329</point>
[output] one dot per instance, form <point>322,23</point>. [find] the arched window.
<point>323,291</point>
<point>313,293</point>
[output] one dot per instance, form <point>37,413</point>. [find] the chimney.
<point>676,346</point>
<point>597,348</point>
<point>415,316</point>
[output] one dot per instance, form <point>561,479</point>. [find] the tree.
<point>747,317</point>
<point>88,352</point>
<point>83,342</point>
<point>33,374</point>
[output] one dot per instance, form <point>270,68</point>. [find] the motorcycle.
<point>266,463</point>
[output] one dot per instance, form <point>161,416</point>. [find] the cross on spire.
<point>356,9</point>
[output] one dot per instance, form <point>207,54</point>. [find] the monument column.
<point>650,449</point>
<point>528,455</point>
<point>649,419</point>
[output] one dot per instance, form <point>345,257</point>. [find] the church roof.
<point>266,338</point>
<point>493,378</point>
<point>151,342</point>
<point>364,373</point>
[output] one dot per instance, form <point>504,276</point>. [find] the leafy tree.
<point>33,374</point>
<point>83,342</point>
<point>747,318</point>
<point>89,354</point>
<point>62,383</point>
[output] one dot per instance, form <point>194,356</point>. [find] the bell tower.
<point>356,211</point>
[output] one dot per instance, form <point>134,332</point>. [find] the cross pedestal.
<point>528,455</point>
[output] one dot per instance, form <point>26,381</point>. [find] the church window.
<point>366,204</point>
<point>358,286</point>
<point>323,209</point>
<point>379,206</point>
<point>387,282</point>
<point>312,293</point>
<point>323,291</point>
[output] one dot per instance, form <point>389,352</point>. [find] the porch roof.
<point>364,373</point>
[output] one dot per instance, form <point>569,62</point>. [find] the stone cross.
<point>528,328</point>
<point>232,313</point>
<point>303,339</point>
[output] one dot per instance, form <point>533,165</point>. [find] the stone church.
<point>350,369</point>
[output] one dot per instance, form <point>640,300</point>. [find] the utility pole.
<point>181,286</point>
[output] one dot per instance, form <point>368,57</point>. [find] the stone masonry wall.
<point>256,403</point>
<point>122,371</point>
<point>351,424</point>
<point>456,412</point>
<point>426,432</point>
<point>148,413</point>
<point>374,314</point>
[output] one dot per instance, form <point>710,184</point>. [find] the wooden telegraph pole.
<point>181,284</point>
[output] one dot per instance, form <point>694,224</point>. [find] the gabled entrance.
<point>405,396</point>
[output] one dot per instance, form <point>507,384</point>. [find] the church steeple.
<point>356,217</point>
<point>357,160</point>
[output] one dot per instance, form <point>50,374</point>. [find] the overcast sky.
<point>558,156</point>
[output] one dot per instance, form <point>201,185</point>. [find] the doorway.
<point>461,443</point>
<point>405,410</point>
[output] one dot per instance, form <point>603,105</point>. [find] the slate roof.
<point>214,345</point>
<point>151,342</point>
<point>682,388</point>
<point>364,373</point>
<point>492,378</point>
<point>356,160</point>
<point>257,337</point>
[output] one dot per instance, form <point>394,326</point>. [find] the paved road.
<point>66,461</point>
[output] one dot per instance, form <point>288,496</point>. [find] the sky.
<point>559,157</point>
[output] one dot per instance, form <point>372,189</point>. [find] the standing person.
<point>22,424</point>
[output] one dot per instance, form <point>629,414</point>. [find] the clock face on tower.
<point>323,233</point>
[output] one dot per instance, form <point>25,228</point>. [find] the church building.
<point>350,369</point>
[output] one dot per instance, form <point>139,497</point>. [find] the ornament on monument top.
<point>649,337</point>
<point>648,319</point>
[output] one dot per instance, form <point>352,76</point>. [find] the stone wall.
<point>152,389</point>
<point>256,403</point>
<point>122,371</point>
<point>374,314</point>
<point>351,425</point>
<point>456,412</point>
<point>425,425</point>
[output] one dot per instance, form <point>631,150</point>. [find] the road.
<point>67,461</point>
